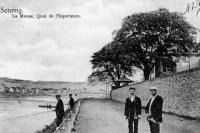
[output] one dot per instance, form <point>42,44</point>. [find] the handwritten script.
<point>193,6</point>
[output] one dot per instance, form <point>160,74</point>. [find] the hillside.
<point>51,84</point>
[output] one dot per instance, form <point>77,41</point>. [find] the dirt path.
<point>105,116</point>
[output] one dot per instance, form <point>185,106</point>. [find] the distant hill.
<point>52,84</point>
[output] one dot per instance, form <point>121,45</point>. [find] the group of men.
<point>153,111</point>
<point>60,108</point>
<point>132,111</point>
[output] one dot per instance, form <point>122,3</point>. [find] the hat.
<point>131,88</point>
<point>153,88</point>
<point>57,96</point>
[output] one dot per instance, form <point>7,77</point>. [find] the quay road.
<point>106,116</point>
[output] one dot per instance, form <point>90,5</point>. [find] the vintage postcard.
<point>100,66</point>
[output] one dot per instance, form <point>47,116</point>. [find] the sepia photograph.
<point>100,66</point>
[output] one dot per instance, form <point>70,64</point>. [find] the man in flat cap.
<point>132,110</point>
<point>59,110</point>
<point>154,110</point>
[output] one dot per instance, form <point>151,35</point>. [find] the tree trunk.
<point>146,74</point>
<point>117,84</point>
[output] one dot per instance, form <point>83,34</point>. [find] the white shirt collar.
<point>132,98</point>
<point>154,96</point>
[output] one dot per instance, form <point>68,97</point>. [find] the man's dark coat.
<point>156,108</point>
<point>132,107</point>
<point>71,103</point>
<point>60,109</point>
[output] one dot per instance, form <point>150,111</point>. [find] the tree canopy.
<point>109,65</point>
<point>144,40</point>
<point>156,36</point>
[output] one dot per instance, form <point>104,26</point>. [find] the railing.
<point>68,123</point>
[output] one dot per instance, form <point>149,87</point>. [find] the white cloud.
<point>43,61</point>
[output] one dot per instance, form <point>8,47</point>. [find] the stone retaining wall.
<point>181,92</point>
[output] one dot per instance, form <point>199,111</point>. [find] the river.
<point>22,115</point>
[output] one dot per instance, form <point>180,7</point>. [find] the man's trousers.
<point>130,125</point>
<point>58,121</point>
<point>154,128</point>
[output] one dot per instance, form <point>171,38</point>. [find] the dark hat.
<point>57,96</point>
<point>132,88</point>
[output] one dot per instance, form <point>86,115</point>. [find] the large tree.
<point>149,38</point>
<point>109,64</point>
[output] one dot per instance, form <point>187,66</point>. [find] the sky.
<point>60,49</point>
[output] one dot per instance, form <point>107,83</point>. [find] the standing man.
<point>154,111</point>
<point>71,102</point>
<point>59,110</point>
<point>133,110</point>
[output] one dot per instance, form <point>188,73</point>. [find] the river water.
<point>22,115</point>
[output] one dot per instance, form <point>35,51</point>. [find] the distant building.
<point>160,70</point>
<point>35,90</point>
<point>124,81</point>
<point>48,91</point>
<point>64,91</point>
<point>2,89</point>
<point>24,90</point>
<point>6,89</point>
<point>11,90</point>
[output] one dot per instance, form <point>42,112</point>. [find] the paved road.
<point>106,116</point>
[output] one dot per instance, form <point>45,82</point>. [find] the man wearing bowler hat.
<point>154,110</point>
<point>132,110</point>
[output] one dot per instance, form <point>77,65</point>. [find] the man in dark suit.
<point>59,110</point>
<point>71,102</point>
<point>154,111</point>
<point>133,110</point>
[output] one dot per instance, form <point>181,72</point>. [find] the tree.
<point>149,38</point>
<point>109,65</point>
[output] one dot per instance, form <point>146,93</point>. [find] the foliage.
<point>149,38</point>
<point>109,64</point>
